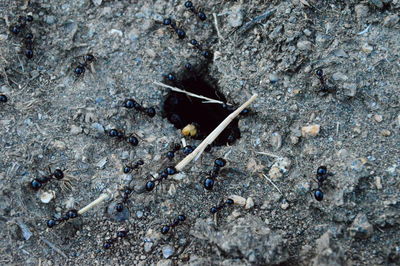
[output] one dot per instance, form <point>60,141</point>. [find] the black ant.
<point>129,167</point>
<point>17,29</point>
<point>166,228</point>
<point>188,150</point>
<point>150,185</point>
<point>3,98</point>
<point>210,180</point>
<point>71,214</point>
<point>181,33</point>
<point>231,108</point>
<point>228,202</point>
<point>120,135</point>
<point>324,87</point>
<point>189,5</point>
<point>119,207</point>
<point>120,234</point>
<point>131,103</point>
<point>171,154</point>
<point>29,45</point>
<point>37,183</point>
<point>322,175</point>
<point>197,45</point>
<point>81,68</point>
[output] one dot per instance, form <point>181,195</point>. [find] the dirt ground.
<point>54,119</point>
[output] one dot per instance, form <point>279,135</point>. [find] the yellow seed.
<point>189,130</point>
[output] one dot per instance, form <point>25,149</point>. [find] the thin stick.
<point>99,200</point>
<point>195,154</point>
<point>217,28</point>
<point>268,154</point>
<point>209,100</point>
<point>256,20</point>
<point>213,135</point>
<point>56,249</point>
<point>273,184</point>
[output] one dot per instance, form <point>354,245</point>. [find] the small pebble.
<point>97,2</point>
<point>391,20</point>
<point>378,118</point>
<point>361,227</point>
<point>238,200</point>
<point>75,130</point>
<point>276,141</point>
<point>46,197</point>
<point>366,48</point>
<point>273,78</point>
<point>249,203</point>
<point>285,205</point>
<point>338,76</point>
<point>148,246</point>
<point>310,131</point>
<point>168,251</point>
<point>386,133</point>
<point>139,214</point>
<point>26,233</point>
<point>235,18</point>
<point>304,45</point>
<point>378,182</point>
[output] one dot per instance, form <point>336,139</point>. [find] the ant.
<point>189,5</point>
<point>171,154</point>
<point>81,68</point>
<point>120,135</point>
<point>3,98</point>
<point>125,196</point>
<point>37,183</point>
<point>322,175</point>
<point>71,214</point>
<point>188,150</point>
<point>228,202</point>
<point>17,29</point>
<point>181,33</point>
<point>29,45</point>
<point>129,168</point>
<point>232,108</point>
<point>209,181</point>
<point>166,228</point>
<point>120,234</point>
<point>150,185</point>
<point>131,103</point>
<point>197,45</point>
<point>324,87</point>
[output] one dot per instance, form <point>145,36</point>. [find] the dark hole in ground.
<point>181,109</point>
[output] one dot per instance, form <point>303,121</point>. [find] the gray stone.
<point>26,233</point>
<point>328,253</point>
<point>235,18</point>
<point>350,89</point>
<point>361,228</point>
<point>168,251</point>
<point>391,20</point>
<point>377,3</point>
<point>304,45</point>
<point>338,76</point>
<point>361,11</point>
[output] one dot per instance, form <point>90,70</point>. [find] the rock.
<point>361,228</point>
<point>366,48</point>
<point>328,253</point>
<point>26,233</point>
<point>235,18</point>
<point>307,32</point>
<point>391,20</point>
<point>378,182</point>
<point>99,127</point>
<point>276,32</point>
<point>279,168</point>
<point>310,131</point>
<point>97,2</point>
<point>119,33</point>
<point>249,203</point>
<point>378,118</point>
<point>273,78</point>
<point>350,89</point>
<point>139,214</point>
<point>100,164</point>
<point>168,251</point>
<point>75,130</point>
<point>50,19</point>
<point>285,205</point>
<point>276,141</point>
<point>238,200</point>
<point>377,3</point>
<point>148,246</point>
<point>304,45</point>
<point>339,76</point>
<point>361,11</point>
<point>47,196</point>
<point>247,237</point>
<point>386,133</point>
<point>164,263</point>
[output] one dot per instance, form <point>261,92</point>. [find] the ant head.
<point>3,98</point>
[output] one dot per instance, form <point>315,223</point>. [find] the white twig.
<point>217,28</point>
<point>268,154</point>
<point>194,155</point>
<point>209,100</point>
<point>273,184</point>
<point>97,201</point>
